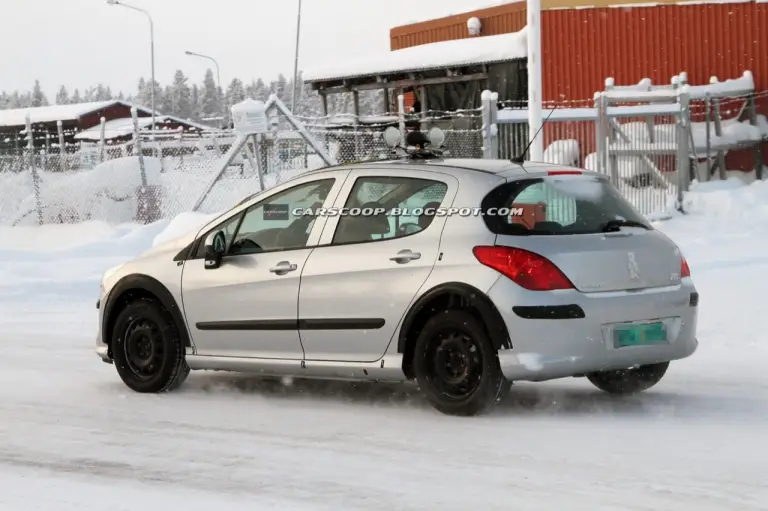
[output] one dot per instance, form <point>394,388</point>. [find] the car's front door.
<point>247,306</point>
<point>357,284</point>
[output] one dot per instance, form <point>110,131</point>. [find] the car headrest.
<point>378,223</point>
<point>429,213</point>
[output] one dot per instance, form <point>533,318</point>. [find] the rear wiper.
<point>614,225</point>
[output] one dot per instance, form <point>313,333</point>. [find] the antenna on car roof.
<point>521,157</point>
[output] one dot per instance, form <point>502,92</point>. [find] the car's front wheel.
<point>457,366</point>
<point>147,349</point>
<point>629,381</point>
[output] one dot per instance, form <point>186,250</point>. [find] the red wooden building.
<point>582,45</point>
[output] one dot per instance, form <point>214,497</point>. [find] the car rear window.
<point>557,205</point>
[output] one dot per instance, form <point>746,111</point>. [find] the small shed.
<point>445,76</point>
<point>117,131</point>
<point>74,118</point>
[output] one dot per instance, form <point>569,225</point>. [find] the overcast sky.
<point>79,43</point>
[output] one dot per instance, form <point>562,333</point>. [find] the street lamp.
<point>218,82</point>
<point>296,60</point>
<point>152,48</point>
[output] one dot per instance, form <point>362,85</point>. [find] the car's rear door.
<point>358,283</point>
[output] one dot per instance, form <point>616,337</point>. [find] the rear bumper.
<point>544,349</point>
<point>585,359</point>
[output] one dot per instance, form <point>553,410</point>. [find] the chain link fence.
<point>113,184</point>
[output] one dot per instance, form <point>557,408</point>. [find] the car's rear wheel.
<point>147,349</point>
<point>457,366</point>
<point>629,381</point>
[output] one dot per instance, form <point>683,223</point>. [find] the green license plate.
<point>640,334</point>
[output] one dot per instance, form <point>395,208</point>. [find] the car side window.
<point>272,225</point>
<point>389,207</point>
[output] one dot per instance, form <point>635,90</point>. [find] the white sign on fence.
<point>250,117</point>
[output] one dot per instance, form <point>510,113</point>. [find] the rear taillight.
<point>685,270</point>
<point>526,269</point>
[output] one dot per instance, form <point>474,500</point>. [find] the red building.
<point>582,45</point>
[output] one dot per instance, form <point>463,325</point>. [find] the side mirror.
<point>215,246</point>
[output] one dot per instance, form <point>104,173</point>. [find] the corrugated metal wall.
<point>502,19</point>
<point>583,46</point>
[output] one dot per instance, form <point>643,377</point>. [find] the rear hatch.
<point>583,225</point>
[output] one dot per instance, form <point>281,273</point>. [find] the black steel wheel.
<point>629,381</point>
<point>146,347</point>
<point>457,365</point>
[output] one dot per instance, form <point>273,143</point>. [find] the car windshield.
<point>559,205</point>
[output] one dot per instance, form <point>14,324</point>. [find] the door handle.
<point>283,267</point>
<point>405,256</point>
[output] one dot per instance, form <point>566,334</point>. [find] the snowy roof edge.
<point>457,52</point>
<point>17,116</point>
<point>94,133</point>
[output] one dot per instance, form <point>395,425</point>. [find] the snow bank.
<point>729,201</point>
<point>460,52</point>
<point>182,225</point>
<point>107,192</point>
<point>731,87</point>
<point>662,138</point>
<point>563,152</point>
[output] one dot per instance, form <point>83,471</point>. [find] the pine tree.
<point>235,92</point>
<point>210,102</point>
<point>146,98</point>
<point>257,90</point>
<point>102,93</point>
<point>280,88</point>
<point>38,97</point>
<point>62,97</point>
<point>75,99</point>
<point>15,100</point>
<point>195,103</point>
<point>90,95</point>
<point>181,96</point>
<point>141,89</point>
<point>164,102</point>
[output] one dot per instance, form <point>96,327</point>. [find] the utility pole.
<point>533,8</point>
<point>296,61</point>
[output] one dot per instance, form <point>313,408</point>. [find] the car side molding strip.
<point>290,324</point>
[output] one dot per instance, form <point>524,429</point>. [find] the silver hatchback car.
<point>463,275</point>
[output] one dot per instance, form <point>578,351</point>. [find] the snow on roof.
<point>116,128</point>
<point>459,52</point>
<point>53,113</point>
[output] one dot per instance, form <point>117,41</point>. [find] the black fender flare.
<point>140,282</point>
<point>494,323</point>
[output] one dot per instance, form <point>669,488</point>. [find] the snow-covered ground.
<point>74,438</point>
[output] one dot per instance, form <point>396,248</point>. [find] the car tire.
<point>457,366</point>
<point>629,381</point>
<point>147,349</point>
